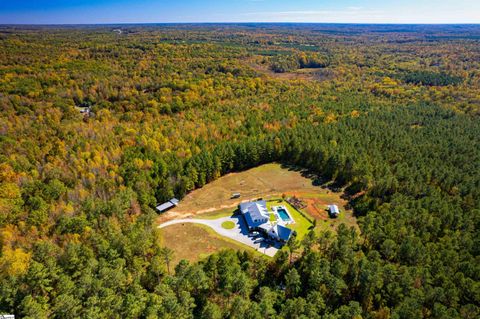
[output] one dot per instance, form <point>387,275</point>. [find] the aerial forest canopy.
<point>98,126</point>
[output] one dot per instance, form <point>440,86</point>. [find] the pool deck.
<point>275,210</point>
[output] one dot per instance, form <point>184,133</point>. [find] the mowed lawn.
<point>303,223</point>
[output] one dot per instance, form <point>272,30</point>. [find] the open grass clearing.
<point>306,74</point>
<point>217,213</point>
<point>270,180</point>
<point>194,241</point>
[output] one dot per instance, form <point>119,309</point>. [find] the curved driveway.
<point>238,233</point>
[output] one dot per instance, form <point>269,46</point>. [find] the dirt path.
<point>175,214</point>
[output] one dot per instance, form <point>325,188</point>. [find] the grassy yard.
<point>228,225</point>
<point>270,180</point>
<point>225,212</point>
<point>302,225</point>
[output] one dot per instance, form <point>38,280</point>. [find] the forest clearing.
<point>266,181</point>
<point>272,182</point>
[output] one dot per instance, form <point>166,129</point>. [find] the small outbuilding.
<point>333,210</point>
<point>167,205</point>
<point>85,110</point>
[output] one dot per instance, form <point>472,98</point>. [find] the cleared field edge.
<point>214,201</point>
<point>211,233</point>
<point>271,179</point>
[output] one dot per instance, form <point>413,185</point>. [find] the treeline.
<point>431,78</point>
<point>411,207</point>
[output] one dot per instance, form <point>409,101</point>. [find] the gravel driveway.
<point>238,233</point>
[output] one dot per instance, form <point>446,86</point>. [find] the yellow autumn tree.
<point>14,262</point>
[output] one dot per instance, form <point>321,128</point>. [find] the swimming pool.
<point>283,214</point>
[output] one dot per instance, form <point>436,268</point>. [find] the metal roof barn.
<point>167,205</point>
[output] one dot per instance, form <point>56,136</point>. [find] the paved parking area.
<point>238,233</point>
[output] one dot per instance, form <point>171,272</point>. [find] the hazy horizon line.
<point>245,22</point>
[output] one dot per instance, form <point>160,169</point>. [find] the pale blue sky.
<point>151,11</point>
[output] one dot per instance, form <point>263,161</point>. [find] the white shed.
<point>333,210</point>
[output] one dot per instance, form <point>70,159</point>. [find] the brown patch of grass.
<point>265,181</point>
<point>193,241</point>
<point>305,74</point>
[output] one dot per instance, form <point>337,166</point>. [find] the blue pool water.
<point>283,215</point>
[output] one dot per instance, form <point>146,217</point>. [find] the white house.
<point>276,231</point>
<point>255,213</point>
<point>257,217</point>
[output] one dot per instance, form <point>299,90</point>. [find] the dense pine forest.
<point>98,124</point>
